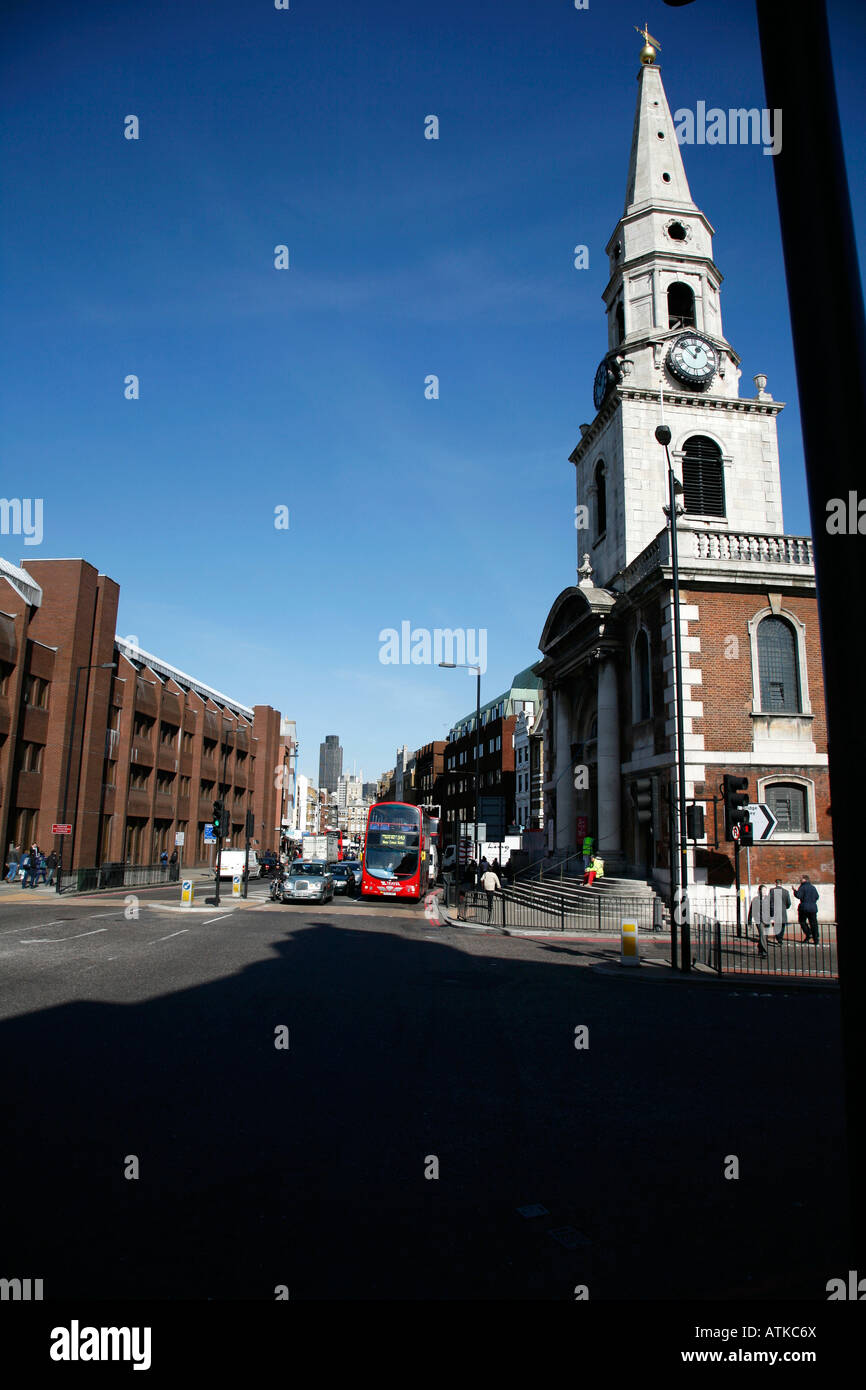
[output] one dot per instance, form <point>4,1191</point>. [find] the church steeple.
<point>663,278</point>
<point>666,342</point>
<point>655,172</point>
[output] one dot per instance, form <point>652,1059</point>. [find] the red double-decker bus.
<point>396,852</point>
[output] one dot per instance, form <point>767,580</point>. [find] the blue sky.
<point>305,388</point>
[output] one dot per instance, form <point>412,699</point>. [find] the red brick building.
<point>139,753</point>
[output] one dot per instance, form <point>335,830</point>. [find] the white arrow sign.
<point>763,820</point>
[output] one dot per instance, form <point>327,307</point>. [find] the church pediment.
<point>577,608</point>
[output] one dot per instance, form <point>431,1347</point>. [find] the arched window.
<point>778,668</point>
<point>642,703</point>
<point>600,499</point>
<point>620,323</point>
<point>789,805</point>
<point>681,306</point>
<point>703,477</point>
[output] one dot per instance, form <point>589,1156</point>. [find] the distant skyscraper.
<point>330,762</point>
<point>368,791</point>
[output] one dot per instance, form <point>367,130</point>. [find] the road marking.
<point>168,938</point>
<point>13,931</point>
<point>43,940</point>
<point>96,915</point>
<point>216,919</point>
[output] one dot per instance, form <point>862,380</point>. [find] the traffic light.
<point>695,822</point>
<point>219,826</point>
<point>736,800</point>
<point>642,796</point>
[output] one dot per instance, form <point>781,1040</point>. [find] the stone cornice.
<point>738,405</point>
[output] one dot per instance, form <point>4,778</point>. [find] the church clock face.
<point>693,360</point>
<point>603,378</point>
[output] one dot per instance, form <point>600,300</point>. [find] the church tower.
<point>748,670</point>
<point>668,359</point>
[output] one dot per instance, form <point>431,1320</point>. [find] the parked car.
<point>307,881</point>
<point>344,879</point>
<point>355,866</point>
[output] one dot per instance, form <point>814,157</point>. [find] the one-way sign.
<point>763,820</point>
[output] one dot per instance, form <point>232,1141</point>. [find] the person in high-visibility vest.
<point>595,870</point>
<point>587,851</point>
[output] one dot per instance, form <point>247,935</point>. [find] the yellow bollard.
<point>187,895</point>
<point>237,884</point>
<point>629,944</point>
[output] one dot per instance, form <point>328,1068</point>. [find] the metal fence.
<point>751,950</point>
<point>118,876</point>
<point>604,915</point>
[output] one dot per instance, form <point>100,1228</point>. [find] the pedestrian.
<point>497,868</point>
<point>163,858</point>
<point>587,852</point>
<point>29,865</point>
<point>12,863</point>
<point>595,870</point>
<point>484,866</point>
<point>807,912</point>
<point>172,864</point>
<point>780,901</point>
<point>757,913</point>
<point>41,869</point>
<point>509,872</point>
<point>51,864</point>
<point>491,885</point>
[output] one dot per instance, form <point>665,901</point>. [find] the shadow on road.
<point>306,1167</point>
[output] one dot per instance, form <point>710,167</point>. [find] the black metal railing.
<point>763,952</point>
<point>114,875</point>
<point>604,914</point>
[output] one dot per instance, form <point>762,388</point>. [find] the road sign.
<point>209,836</point>
<point>735,832</point>
<point>179,837</point>
<point>763,820</point>
<point>61,830</point>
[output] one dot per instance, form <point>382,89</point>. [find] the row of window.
<point>778,670</point>
<point>703,482</point>
<point>681,309</point>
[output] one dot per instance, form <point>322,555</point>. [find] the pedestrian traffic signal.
<point>219,828</point>
<point>736,800</point>
<point>642,796</point>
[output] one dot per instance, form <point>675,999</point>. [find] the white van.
<point>232,862</point>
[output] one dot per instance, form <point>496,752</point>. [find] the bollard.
<point>237,884</point>
<point>187,896</point>
<point>628,944</point>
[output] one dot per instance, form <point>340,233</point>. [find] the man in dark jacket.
<point>807,912</point>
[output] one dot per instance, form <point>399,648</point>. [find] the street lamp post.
<point>97,666</point>
<point>451,666</point>
<point>663,435</point>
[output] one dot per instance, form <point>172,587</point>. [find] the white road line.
<point>43,940</point>
<point>168,938</point>
<point>13,931</point>
<point>216,919</point>
<point>96,915</point>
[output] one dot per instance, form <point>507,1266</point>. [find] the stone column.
<point>609,768</point>
<point>564,776</point>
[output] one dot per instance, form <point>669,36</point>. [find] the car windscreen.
<point>306,870</point>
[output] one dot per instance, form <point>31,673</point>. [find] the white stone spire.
<point>656,175</point>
